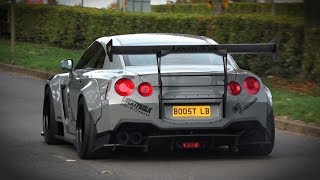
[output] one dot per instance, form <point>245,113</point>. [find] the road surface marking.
<point>63,158</point>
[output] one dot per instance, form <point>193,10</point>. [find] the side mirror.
<point>66,65</point>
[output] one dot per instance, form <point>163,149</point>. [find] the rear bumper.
<point>155,138</point>
<point>172,142</point>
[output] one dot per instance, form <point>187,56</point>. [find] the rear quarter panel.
<point>245,106</point>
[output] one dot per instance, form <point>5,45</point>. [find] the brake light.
<point>124,87</point>
<point>190,145</point>
<point>145,89</point>
<point>234,88</point>
<point>251,85</point>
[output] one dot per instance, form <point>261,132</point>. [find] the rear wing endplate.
<point>218,49</point>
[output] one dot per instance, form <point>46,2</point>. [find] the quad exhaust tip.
<point>122,137</point>
<point>136,138</point>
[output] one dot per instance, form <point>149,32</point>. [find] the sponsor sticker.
<point>136,106</point>
<point>240,109</point>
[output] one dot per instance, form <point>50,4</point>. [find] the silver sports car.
<point>159,92</point>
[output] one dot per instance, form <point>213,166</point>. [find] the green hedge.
<point>311,63</point>
<point>290,9</point>
<point>76,27</point>
<point>199,8</point>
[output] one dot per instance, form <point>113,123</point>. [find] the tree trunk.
<point>217,7</point>
<point>12,30</point>
<point>51,2</point>
<point>273,11</point>
<point>312,13</point>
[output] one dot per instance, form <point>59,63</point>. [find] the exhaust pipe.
<point>122,137</point>
<point>136,138</point>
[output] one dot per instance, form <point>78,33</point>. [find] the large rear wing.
<point>218,49</point>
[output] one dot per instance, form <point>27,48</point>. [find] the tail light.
<point>145,89</point>
<point>251,85</point>
<point>234,88</point>
<point>124,87</point>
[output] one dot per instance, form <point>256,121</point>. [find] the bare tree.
<point>217,8</point>
<point>272,7</point>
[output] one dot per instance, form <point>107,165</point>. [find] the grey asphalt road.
<point>24,154</point>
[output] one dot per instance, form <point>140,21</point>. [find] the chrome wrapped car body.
<point>159,91</point>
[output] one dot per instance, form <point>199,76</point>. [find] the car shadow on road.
<point>218,154</point>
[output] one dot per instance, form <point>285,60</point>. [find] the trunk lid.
<point>188,92</point>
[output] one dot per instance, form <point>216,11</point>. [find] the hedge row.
<point>76,27</point>
<point>311,63</point>
<point>290,9</point>
<point>198,8</point>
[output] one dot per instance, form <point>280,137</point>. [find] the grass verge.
<point>36,56</point>
<point>299,101</point>
<point>296,105</point>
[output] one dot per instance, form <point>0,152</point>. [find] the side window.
<point>93,58</point>
<point>100,60</point>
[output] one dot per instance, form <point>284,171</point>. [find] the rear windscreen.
<point>173,59</point>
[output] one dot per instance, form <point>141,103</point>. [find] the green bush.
<point>76,27</point>
<point>199,8</point>
<point>255,29</point>
<point>311,63</point>
<point>289,9</point>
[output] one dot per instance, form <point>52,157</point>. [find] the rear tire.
<point>262,149</point>
<point>85,132</point>
<point>50,126</point>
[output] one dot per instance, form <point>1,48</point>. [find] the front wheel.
<point>85,132</point>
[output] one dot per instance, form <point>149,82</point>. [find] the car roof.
<point>159,39</point>
<point>147,39</point>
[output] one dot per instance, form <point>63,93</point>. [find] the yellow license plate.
<point>191,111</point>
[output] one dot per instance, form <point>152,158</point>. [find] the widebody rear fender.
<point>245,106</point>
<point>91,93</point>
<point>54,85</point>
